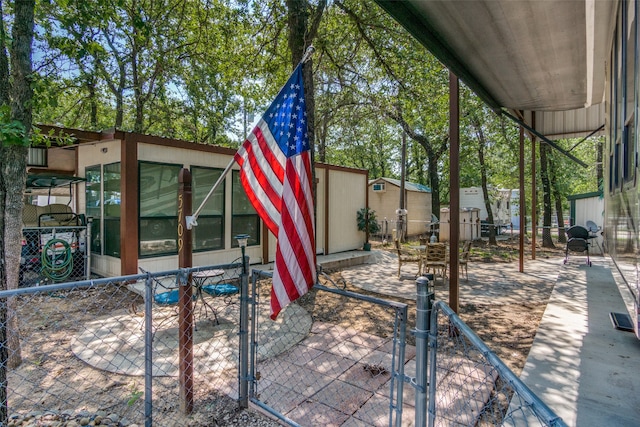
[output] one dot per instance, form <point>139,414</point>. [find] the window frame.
<point>156,221</point>
<point>203,216</point>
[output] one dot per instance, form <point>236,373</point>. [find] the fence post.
<point>87,249</point>
<point>148,351</point>
<point>424,301</point>
<point>243,368</point>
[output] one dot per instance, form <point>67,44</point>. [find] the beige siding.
<point>180,156</point>
<point>418,207</point>
<point>61,159</point>
<point>347,194</point>
<point>385,204</point>
<point>321,197</point>
<point>418,213</point>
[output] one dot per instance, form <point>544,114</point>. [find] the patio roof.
<point>527,55</point>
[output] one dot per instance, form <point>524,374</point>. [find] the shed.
<point>384,198</point>
<point>131,192</point>
<point>588,207</point>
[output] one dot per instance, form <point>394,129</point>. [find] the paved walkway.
<point>584,369</point>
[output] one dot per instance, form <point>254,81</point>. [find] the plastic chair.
<point>578,242</point>
<point>164,295</point>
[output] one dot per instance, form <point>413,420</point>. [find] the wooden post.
<point>185,304</point>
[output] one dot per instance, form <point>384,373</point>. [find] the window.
<point>93,206</point>
<point>244,219</point>
<point>37,156</point>
<point>629,46</point>
<point>158,209</point>
<point>209,234</point>
<point>111,197</point>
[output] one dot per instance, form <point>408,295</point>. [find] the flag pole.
<point>192,220</point>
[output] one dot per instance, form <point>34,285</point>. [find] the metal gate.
<point>309,367</point>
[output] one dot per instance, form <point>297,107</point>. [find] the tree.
<point>482,144</point>
<point>15,119</point>
<point>547,241</point>
<point>393,76</point>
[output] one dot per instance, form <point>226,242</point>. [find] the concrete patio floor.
<point>579,365</point>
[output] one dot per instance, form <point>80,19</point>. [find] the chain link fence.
<point>316,365</point>
<point>471,386</point>
<point>108,351</point>
<point>173,348</point>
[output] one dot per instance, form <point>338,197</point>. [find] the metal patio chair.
<point>406,256</point>
<point>464,259</point>
<point>436,259</point>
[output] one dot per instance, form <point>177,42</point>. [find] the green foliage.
<point>367,221</point>
<point>12,132</point>
<point>190,70</point>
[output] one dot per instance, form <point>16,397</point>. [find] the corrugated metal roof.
<point>409,186</point>
<point>570,123</point>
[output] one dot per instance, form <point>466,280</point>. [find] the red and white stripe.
<point>280,190</point>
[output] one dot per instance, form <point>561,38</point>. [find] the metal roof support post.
<point>534,219</point>
<point>523,210</point>
<point>454,188</point>
<point>185,305</point>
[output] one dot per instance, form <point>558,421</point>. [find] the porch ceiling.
<point>521,55</point>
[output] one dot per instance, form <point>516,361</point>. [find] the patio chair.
<point>436,259</point>
<point>464,259</point>
<point>594,230</point>
<point>406,256</point>
<point>578,241</point>
<point>165,294</point>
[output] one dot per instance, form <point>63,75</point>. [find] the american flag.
<point>275,171</point>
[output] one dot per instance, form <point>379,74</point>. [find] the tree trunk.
<point>93,101</point>
<point>562,235</point>
<point>434,182</point>
<point>557,197</point>
<point>137,90</point>
<point>600,165</point>
<point>547,241</point>
<point>13,177</point>
<point>485,189</point>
